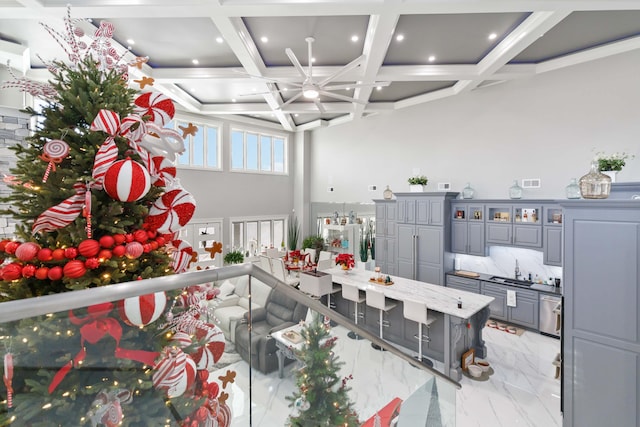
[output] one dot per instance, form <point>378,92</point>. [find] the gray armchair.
<point>279,312</point>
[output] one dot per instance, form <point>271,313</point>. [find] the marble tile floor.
<point>521,392</point>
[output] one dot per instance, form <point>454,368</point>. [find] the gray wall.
<point>547,126</point>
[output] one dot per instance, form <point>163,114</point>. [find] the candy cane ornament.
<point>8,378</point>
<point>54,152</point>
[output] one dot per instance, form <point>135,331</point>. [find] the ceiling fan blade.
<point>341,97</point>
<point>293,98</point>
<point>350,66</point>
<point>268,92</point>
<point>295,62</point>
<point>355,85</point>
<point>310,41</point>
<point>319,105</point>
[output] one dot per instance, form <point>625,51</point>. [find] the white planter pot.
<point>416,188</point>
<point>611,174</point>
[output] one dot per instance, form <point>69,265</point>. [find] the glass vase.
<point>573,189</point>
<point>468,192</point>
<point>515,191</point>
<point>595,185</point>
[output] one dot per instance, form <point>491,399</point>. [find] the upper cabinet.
<point>467,229</point>
<point>423,209</point>
<point>514,224</point>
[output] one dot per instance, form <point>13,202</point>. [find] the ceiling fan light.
<point>310,93</point>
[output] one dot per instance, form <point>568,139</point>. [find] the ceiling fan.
<point>312,89</point>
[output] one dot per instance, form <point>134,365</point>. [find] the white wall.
<point>547,126</point>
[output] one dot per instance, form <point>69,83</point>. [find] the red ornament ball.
<point>127,181</point>
<point>12,271</point>
<point>142,310</point>
<point>134,250</point>
<point>161,241</point>
<point>89,248</point>
<point>45,254</point>
<point>128,237</point>
<point>74,269</point>
<point>28,271</point>
<point>140,236</point>
<point>42,273</point>
<point>105,254</point>
<point>146,248</point>
<point>3,244</point>
<point>70,253</point>
<point>27,251</point>
<point>11,247</point>
<point>119,251</point>
<point>58,254</point>
<point>152,234</point>
<point>55,273</point>
<point>154,245</point>
<point>119,239</point>
<point>107,241</point>
<point>92,263</point>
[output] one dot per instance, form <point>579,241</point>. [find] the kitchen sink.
<point>510,281</point>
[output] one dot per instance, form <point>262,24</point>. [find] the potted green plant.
<point>314,242</point>
<point>234,257</point>
<point>612,164</point>
<point>293,233</point>
<point>417,183</point>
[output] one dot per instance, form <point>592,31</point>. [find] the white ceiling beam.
<point>534,27</point>
<point>599,52</point>
<point>379,35</point>
<point>427,97</point>
<point>16,55</point>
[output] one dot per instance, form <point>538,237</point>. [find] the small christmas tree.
<point>322,397</point>
<point>97,202</point>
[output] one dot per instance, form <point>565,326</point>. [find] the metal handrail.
<point>30,307</point>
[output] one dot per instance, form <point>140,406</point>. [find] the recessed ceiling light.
<point>285,89</point>
<point>313,59</point>
<point>131,41</point>
<point>296,114</point>
<point>492,36</point>
<point>264,39</point>
<point>348,88</point>
<point>400,37</point>
<point>219,39</point>
<point>233,100</point>
<point>379,88</point>
<point>354,38</point>
<point>195,61</point>
<point>432,58</point>
<point>193,89</point>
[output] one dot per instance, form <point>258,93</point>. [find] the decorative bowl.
<point>475,371</point>
<point>484,365</point>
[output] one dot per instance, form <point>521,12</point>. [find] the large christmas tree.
<point>97,202</point>
<point>322,397</point>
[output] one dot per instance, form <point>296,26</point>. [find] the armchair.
<point>279,312</point>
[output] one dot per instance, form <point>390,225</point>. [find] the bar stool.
<point>352,293</point>
<point>418,312</point>
<point>376,299</point>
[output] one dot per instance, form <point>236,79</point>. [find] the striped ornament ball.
<point>127,181</point>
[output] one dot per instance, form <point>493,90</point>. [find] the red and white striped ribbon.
<point>64,213</point>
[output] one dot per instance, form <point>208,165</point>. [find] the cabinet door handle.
<point>415,257</point>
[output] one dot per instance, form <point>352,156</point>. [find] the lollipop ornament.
<point>54,152</point>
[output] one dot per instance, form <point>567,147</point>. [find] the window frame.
<point>260,136</point>
<point>259,220</point>
<point>189,146</point>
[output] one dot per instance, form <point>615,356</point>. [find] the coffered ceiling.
<point>227,57</point>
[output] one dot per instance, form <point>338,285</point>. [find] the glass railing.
<point>166,352</point>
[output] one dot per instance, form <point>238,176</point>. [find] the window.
<point>256,235</point>
<point>257,152</point>
<point>201,150</point>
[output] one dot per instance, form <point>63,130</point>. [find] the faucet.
<point>517,271</point>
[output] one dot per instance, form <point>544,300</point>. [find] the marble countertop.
<point>552,290</point>
<point>437,298</point>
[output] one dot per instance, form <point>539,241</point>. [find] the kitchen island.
<point>454,332</point>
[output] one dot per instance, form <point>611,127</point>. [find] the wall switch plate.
<point>531,183</point>
<point>329,189</point>
<point>372,188</point>
<point>444,186</point>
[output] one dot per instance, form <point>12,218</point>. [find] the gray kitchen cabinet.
<point>463,283</point>
<point>525,313</point>
<point>422,249</point>
<point>499,234</point>
<point>601,330</point>
<point>552,248</point>
<point>468,229</point>
<point>516,224</point>
<point>498,306</point>
<point>552,239</point>
<point>386,212</point>
<point>527,235</point>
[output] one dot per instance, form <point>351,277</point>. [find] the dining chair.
<point>273,253</point>
<point>265,264</point>
<point>325,255</point>
<point>279,270</point>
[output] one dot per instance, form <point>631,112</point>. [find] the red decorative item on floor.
<point>127,181</point>
<point>171,211</point>
<point>142,310</point>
